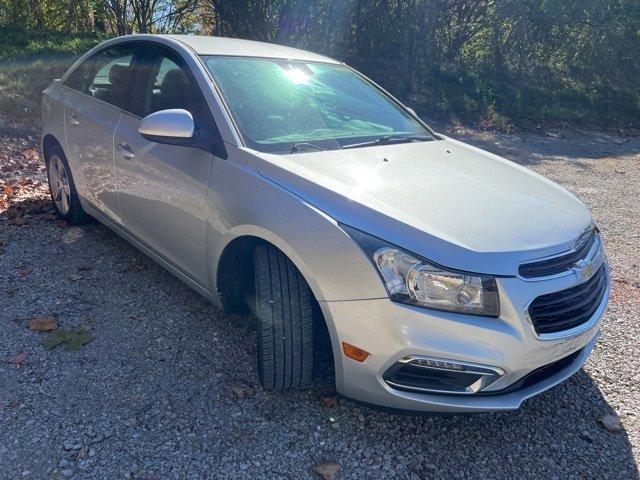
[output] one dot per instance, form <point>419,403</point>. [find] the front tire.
<point>62,188</point>
<point>285,321</point>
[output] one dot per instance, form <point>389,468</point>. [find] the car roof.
<point>206,45</point>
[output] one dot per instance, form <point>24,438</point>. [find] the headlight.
<point>417,281</point>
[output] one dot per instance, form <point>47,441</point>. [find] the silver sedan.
<point>286,185</point>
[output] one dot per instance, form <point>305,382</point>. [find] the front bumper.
<point>391,331</point>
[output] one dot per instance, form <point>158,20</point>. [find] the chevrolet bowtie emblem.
<point>583,270</point>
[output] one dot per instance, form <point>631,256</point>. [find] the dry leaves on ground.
<point>19,154</point>
<point>330,402</point>
<point>327,471</point>
<point>242,391</point>
<point>611,422</point>
<point>42,324</point>
<point>137,266</point>
<point>24,195</point>
<point>18,359</point>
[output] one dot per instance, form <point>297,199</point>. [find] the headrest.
<point>175,80</point>
<point>118,74</point>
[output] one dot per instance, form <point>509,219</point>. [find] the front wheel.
<point>285,321</point>
<point>62,188</point>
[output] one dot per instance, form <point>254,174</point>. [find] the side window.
<point>78,79</point>
<point>113,74</point>
<point>167,83</point>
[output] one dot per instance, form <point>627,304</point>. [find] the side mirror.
<point>173,127</point>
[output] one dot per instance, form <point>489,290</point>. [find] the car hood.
<point>452,203</point>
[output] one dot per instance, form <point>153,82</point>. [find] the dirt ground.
<point>166,386</point>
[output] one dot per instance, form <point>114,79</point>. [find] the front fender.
<point>243,203</point>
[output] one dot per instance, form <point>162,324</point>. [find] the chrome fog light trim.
<point>420,373</point>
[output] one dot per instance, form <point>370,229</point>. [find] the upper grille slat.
<point>566,309</point>
<point>559,264</point>
<point>579,297</point>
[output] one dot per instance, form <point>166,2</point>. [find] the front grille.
<point>553,266</point>
<point>568,308</point>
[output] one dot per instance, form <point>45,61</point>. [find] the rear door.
<point>163,188</point>
<point>101,87</point>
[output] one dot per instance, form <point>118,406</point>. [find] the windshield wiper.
<point>296,146</point>
<point>388,139</point>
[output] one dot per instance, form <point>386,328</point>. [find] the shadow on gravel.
<point>529,149</point>
<point>168,377</point>
<point>554,435</point>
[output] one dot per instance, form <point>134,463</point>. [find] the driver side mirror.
<point>171,127</point>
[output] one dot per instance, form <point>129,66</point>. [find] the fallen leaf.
<point>330,402</point>
<point>24,271</point>
<point>242,391</point>
<point>7,190</point>
<point>43,324</point>
<point>136,267</point>
<point>82,453</point>
<point>18,359</point>
<point>78,340</point>
<point>61,223</point>
<point>19,221</point>
<point>54,339</point>
<point>15,403</point>
<point>611,422</point>
<point>327,471</point>
<point>74,339</point>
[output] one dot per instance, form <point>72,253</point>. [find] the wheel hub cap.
<point>59,182</point>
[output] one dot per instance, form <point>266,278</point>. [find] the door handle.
<point>73,119</point>
<point>125,150</point>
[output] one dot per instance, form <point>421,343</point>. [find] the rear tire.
<point>285,321</point>
<point>62,188</point>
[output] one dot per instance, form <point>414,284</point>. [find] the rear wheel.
<point>285,321</point>
<point>63,190</point>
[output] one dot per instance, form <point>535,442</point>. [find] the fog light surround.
<point>419,373</point>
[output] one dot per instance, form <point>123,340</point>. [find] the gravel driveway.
<point>167,389</point>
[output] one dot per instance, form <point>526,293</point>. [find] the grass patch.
<point>28,64</point>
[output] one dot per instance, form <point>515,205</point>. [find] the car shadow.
<point>556,434</point>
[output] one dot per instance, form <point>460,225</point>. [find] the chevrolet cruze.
<point>285,184</point>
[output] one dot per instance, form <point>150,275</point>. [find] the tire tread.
<point>285,321</point>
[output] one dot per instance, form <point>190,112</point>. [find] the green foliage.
<point>28,63</point>
<point>502,61</point>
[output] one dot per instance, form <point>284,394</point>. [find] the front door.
<point>163,188</point>
<point>92,113</point>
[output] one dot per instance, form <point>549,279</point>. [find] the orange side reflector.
<point>354,352</point>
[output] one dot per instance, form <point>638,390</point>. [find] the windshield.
<point>285,106</point>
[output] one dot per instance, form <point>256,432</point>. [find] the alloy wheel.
<point>59,182</point>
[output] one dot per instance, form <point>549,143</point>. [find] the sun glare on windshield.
<point>297,75</point>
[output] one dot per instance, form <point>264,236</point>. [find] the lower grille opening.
<point>411,375</point>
